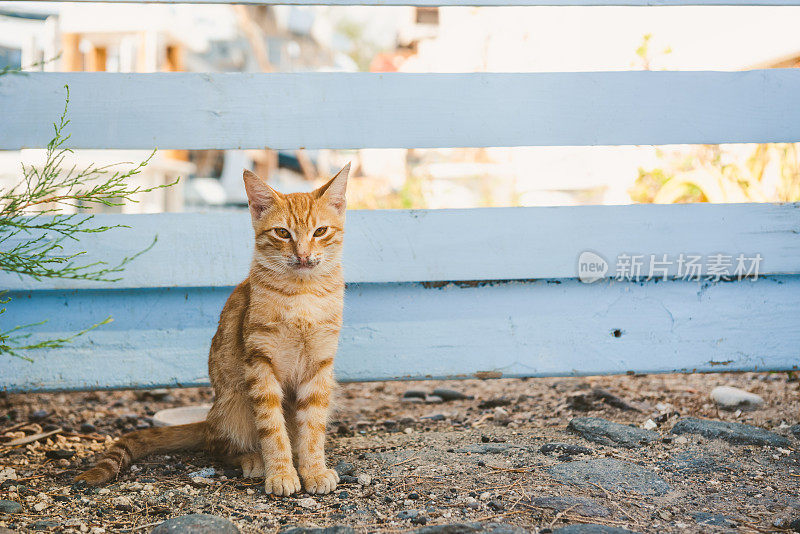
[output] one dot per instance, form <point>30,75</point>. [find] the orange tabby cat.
<point>271,360</point>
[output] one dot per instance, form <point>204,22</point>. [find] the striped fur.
<point>271,360</point>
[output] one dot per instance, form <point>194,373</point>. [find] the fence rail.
<point>362,110</point>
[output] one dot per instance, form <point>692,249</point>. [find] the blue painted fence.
<point>431,294</point>
<point>413,310</point>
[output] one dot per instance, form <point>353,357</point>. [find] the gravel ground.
<point>539,454</point>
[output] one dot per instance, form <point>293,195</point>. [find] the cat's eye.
<point>283,233</point>
<point>321,231</point>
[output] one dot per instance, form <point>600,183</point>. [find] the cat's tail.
<point>135,445</point>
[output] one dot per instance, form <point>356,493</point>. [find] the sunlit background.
<point>225,38</point>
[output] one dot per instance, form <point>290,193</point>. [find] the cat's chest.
<point>309,309</point>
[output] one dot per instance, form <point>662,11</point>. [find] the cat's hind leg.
<point>252,464</point>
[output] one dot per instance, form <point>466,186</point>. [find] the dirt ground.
<point>414,463</point>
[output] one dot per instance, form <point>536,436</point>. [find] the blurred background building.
<point>220,38</point>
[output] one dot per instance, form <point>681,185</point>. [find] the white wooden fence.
<point>448,293</point>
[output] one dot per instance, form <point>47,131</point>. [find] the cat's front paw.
<point>282,483</point>
<point>320,482</point>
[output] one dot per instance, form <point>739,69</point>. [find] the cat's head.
<point>298,234</point>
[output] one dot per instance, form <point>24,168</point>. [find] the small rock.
<point>795,524</point>
<point>407,514</point>
<point>649,425</point>
<point>9,507</point>
<point>433,399</point>
<point>730,398</point>
<point>450,394</point>
<point>491,448</point>
<point>348,479</point>
<point>103,491</point>
<point>611,474</point>
<point>59,454</point>
<point>588,528</point>
<point>206,472</point>
<point>412,400</point>
<point>564,448</point>
<point>88,428</point>
<point>419,520</point>
<point>122,503</point>
<point>7,473</point>
<point>495,505</point>
<point>40,506</point>
<point>580,505</point>
<point>196,524</point>
<point>434,417</point>
<point>705,518</point>
<point>43,525</point>
<point>472,528</point>
<point>736,433</point>
<point>336,529</point>
<point>181,416</point>
<point>795,430</point>
<point>364,479</point>
<point>414,394</point>
<point>308,503</point>
<point>38,415</point>
<point>158,394</point>
<point>610,433</point>
<point>344,468</point>
<point>494,402</point>
<point>389,424</point>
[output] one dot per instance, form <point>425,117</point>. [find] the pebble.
<point>491,448</point>
<point>580,505</point>
<point>43,524</point>
<point>348,479</point>
<point>9,507</point>
<point>196,524</point>
<point>450,394</point>
<point>611,474</point>
<point>612,434</point>
<point>434,417</point>
<point>736,433</point>
<point>494,402</point>
<point>649,425</point>
<point>308,503</point>
<point>7,473</point>
<point>122,503</point>
<point>414,394</point>
<point>705,518</point>
<point>564,448</point>
<point>730,398</point>
<point>88,428</point>
<point>471,528</point>
<point>344,468</point>
<point>588,528</point>
<point>433,399</point>
<point>336,529</point>
<point>103,491</point>
<point>795,430</point>
<point>38,415</point>
<point>364,479</point>
<point>407,514</point>
<point>182,415</point>
<point>59,454</point>
<point>206,472</point>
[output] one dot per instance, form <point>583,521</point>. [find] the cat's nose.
<point>303,260</point>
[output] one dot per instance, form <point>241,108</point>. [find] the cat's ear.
<point>334,190</point>
<point>260,196</point>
